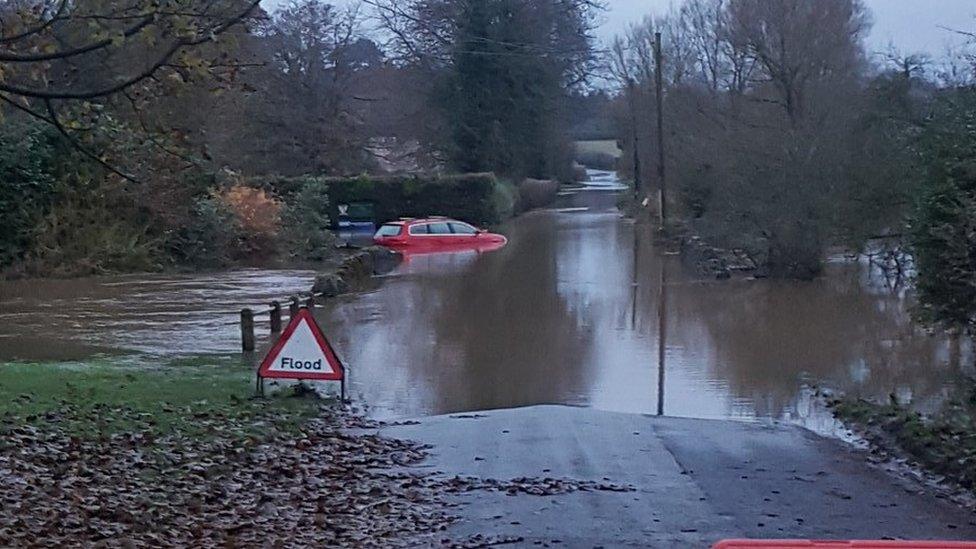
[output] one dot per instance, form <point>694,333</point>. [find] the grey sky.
<point>911,25</point>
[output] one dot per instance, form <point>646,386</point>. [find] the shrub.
<point>306,223</point>
<point>28,153</point>
<point>537,193</point>
<point>84,234</point>
<point>795,251</point>
<point>505,197</point>
<point>208,237</point>
<point>257,216</point>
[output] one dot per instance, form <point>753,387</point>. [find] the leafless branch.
<point>74,52</point>
<point>161,61</point>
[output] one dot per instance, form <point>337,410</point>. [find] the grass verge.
<point>99,398</point>
<point>943,444</point>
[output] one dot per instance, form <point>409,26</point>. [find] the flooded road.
<point>568,313</point>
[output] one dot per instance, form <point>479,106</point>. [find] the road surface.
<point>697,481</point>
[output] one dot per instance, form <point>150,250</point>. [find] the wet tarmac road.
<point>696,482</point>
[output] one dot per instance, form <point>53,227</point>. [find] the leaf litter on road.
<point>331,481</point>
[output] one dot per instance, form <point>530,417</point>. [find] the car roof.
<point>429,220</point>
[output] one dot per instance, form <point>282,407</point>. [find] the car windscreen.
<point>390,230</point>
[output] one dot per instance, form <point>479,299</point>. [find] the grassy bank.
<point>943,444</point>
<point>601,154</point>
<point>106,396</point>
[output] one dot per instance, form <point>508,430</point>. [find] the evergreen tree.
<point>944,228</point>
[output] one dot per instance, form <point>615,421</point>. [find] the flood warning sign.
<point>302,352</point>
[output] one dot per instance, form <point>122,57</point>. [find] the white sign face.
<point>302,354</point>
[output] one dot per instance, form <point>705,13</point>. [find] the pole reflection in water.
<point>662,333</point>
<point>634,284</point>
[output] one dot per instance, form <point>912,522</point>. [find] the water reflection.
<point>441,337</point>
<point>662,334</point>
<point>765,338</point>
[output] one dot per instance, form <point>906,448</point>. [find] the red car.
<point>436,234</point>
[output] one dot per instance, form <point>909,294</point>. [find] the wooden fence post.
<point>247,330</point>
<point>294,306</point>
<point>275,317</point>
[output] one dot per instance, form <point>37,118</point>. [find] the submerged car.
<point>436,234</point>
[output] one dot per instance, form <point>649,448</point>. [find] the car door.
<point>420,236</point>
<point>440,234</point>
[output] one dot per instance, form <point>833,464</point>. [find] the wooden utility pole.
<point>659,84</point>
<point>636,138</point>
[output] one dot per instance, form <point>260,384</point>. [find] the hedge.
<point>537,193</point>
<point>469,197</point>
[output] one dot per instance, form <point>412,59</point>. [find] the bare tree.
<point>800,42</point>
<point>764,104</point>
<point>302,114</point>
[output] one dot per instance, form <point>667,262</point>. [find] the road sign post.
<point>302,353</point>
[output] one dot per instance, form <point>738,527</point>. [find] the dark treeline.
<point>130,129</point>
<point>786,137</point>
<point>501,72</point>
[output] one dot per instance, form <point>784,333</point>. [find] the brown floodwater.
<point>154,315</point>
<point>569,312</point>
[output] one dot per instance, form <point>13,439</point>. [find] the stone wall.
<point>356,272</point>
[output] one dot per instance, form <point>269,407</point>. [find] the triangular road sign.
<point>302,352</point>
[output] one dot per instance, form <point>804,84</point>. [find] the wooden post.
<point>247,330</point>
<point>310,303</point>
<point>294,306</point>
<point>275,317</point>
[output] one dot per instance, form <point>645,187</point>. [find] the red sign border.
<point>264,371</point>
